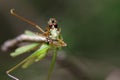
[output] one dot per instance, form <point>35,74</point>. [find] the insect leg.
<point>34,38</point>
<point>21,38</point>
<point>9,44</point>
<point>10,70</point>
<point>13,77</point>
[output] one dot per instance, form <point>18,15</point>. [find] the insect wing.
<point>24,49</point>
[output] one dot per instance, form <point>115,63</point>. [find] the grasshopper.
<point>40,42</point>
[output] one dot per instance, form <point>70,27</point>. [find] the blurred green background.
<point>91,28</point>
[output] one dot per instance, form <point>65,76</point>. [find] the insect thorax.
<point>54,34</point>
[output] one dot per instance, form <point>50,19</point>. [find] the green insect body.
<point>42,43</point>
<point>54,33</point>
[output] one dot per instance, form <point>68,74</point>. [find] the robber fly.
<point>40,42</point>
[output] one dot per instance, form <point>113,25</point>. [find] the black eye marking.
<point>53,26</point>
<point>50,26</point>
<point>56,26</point>
<point>53,21</point>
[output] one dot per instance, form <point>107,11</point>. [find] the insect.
<point>50,39</point>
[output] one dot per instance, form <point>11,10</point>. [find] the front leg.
<point>23,38</point>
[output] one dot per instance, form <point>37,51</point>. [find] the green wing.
<point>24,49</point>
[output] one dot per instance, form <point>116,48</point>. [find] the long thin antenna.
<point>30,22</point>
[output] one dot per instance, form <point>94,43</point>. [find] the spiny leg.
<point>30,22</point>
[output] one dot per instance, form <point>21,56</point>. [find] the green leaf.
<point>24,49</point>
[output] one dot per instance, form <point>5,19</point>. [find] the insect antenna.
<point>26,20</point>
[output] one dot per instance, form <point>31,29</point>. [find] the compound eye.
<point>50,26</point>
<point>56,26</point>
